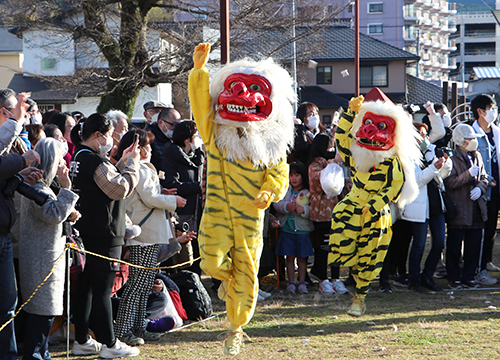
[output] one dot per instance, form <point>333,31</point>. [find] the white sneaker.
<point>264,294</point>
<point>326,287</point>
<point>260,297</point>
<point>485,279</point>
<point>91,347</point>
<point>492,267</point>
<point>118,351</point>
<point>339,287</point>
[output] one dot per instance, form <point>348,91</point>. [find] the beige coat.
<point>146,196</point>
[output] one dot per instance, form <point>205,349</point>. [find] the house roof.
<point>41,91</point>
<point>333,43</point>
<point>420,91</point>
<point>9,42</point>
<point>321,97</point>
<point>479,73</point>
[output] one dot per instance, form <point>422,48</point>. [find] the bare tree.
<point>118,46</point>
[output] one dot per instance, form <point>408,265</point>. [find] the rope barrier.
<point>73,247</point>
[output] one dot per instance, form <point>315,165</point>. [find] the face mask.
<point>197,143</point>
<point>472,145</point>
<point>168,133</point>
<point>104,149</point>
<point>330,155</point>
<point>64,146</point>
<point>148,155</point>
<point>424,145</point>
<point>36,118</point>
<point>491,115</point>
<point>120,135</point>
<point>313,122</point>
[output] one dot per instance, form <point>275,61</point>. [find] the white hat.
<point>462,132</point>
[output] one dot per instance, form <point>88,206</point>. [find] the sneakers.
<point>402,280</point>
<point>415,286</point>
<point>326,287</point>
<point>91,347</point>
<point>291,287</point>
<point>119,350</point>
<point>233,342</point>
<point>456,285</point>
<point>303,288</point>
<point>131,339</point>
<point>385,287</point>
<point>358,306</point>
<point>149,336</point>
<point>472,284</point>
<point>492,267</point>
<point>485,279</point>
<point>264,294</point>
<point>339,287</point>
<point>429,284</point>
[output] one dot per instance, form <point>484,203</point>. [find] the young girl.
<point>294,241</point>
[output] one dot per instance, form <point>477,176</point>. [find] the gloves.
<point>474,170</point>
<point>475,193</point>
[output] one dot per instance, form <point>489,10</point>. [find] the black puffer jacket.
<point>183,171</point>
<point>9,166</point>
<point>158,144</point>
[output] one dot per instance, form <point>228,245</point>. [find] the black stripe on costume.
<point>377,177</point>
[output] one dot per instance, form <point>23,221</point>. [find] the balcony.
<point>426,24</point>
<point>427,4</point>
<point>436,45</point>
<point>480,33</point>
<point>426,43</point>
<point>411,18</point>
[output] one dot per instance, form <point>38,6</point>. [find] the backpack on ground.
<point>194,296</point>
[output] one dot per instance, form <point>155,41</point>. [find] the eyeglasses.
<point>168,122</point>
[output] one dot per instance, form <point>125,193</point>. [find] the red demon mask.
<point>246,97</point>
<point>377,132</point>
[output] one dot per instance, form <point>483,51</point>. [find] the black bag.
<point>194,296</point>
<point>77,258</point>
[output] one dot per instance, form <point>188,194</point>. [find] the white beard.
<point>264,143</point>
<point>365,159</point>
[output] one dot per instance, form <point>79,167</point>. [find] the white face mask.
<point>147,156</point>
<point>491,115</point>
<point>104,149</point>
<point>168,133</point>
<point>36,118</point>
<point>64,146</point>
<point>472,145</point>
<point>197,142</point>
<point>313,122</point>
<point>120,135</point>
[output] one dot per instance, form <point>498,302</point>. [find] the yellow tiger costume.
<point>361,223</point>
<point>238,191</point>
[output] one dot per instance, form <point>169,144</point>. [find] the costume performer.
<point>380,147</point>
<point>245,120</point>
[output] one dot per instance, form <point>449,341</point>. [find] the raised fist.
<point>200,56</point>
<point>355,103</point>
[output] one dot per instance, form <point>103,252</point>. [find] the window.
<point>371,76</point>
<point>49,63</point>
<point>323,75</point>
<point>375,28</point>
<point>326,120</point>
<point>375,8</point>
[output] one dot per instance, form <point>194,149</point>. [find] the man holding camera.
<point>484,109</point>
<point>12,110</point>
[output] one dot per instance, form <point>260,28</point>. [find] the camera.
<point>182,227</point>
<point>16,183</point>
<point>444,150</point>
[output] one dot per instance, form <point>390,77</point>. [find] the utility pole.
<point>356,48</point>
<point>294,61</point>
<point>224,31</point>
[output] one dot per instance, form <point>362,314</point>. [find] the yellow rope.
<point>34,292</point>
<point>73,246</point>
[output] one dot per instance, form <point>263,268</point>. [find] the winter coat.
<point>183,171</point>
<point>146,196</point>
<point>302,221</point>
<point>158,144</point>
<point>483,146</point>
<point>40,244</point>
<point>321,208</point>
<point>459,185</point>
<point>9,166</point>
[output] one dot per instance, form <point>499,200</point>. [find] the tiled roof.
<point>334,43</point>
<point>321,97</point>
<point>420,91</point>
<point>485,73</point>
<point>9,42</point>
<point>40,91</point>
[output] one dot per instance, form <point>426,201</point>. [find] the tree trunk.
<point>121,98</point>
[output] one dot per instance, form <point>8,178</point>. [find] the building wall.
<point>11,63</point>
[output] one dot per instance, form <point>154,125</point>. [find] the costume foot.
<point>223,290</point>
<point>233,341</point>
<point>358,306</point>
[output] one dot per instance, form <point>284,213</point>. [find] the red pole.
<point>224,31</point>
<point>356,48</point>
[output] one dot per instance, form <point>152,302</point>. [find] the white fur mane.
<point>405,146</point>
<point>265,142</point>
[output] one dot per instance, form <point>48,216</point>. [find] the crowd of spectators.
<point>101,179</point>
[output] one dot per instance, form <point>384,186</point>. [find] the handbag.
<point>77,258</point>
<point>451,211</point>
